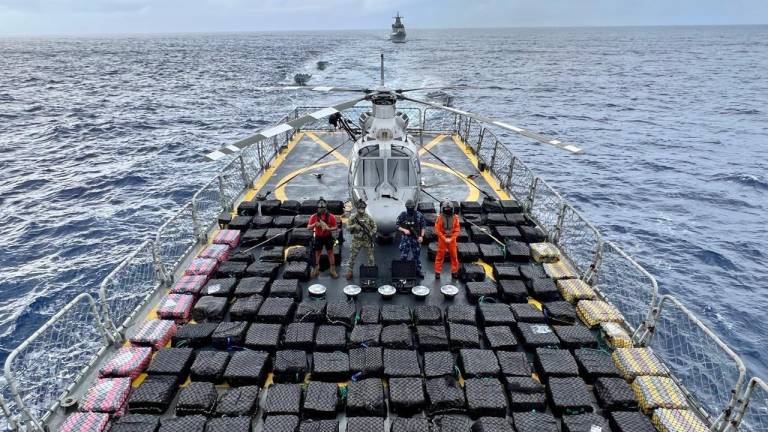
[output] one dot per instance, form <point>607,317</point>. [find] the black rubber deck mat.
<point>299,336</point>
<point>500,338</point>
<point>534,422</point>
<point>276,236</point>
<point>532,271</point>
<point>370,314</point>
<point>273,254</point>
<point>153,395</point>
<point>528,313</point>
<point>253,237</point>
<point>229,334</point>
<point>575,336</point>
<point>247,368</point>
<point>525,394</point>
<point>196,398</point>
<point>432,338</point>
<point>397,336</point>
<point>477,291</point>
<point>560,312</point>
<point>340,313</point>
<point>569,395</point>
<point>427,315</point>
<point>395,314</point>
<point>401,363</point>
<point>406,396</point>
<point>439,363</point>
<point>222,287</point>
<point>229,424</point>
<point>555,363</point>
<point>485,397</point>
<point>365,424</point>
<point>470,272</point>
<point>366,398</point>
<point>630,421</point>
<point>480,234</point>
<point>172,361</point>
<point>495,219</point>
<point>240,401</point>
<point>468,252</point>
<point>288,288</point>
<point>513,363</point>
<point>245,308</point>
<point>331,366</point>
<point>594,363</point>
<point>513,291</point>
<point>210,308</point>
<point>478,363</point>
<point>136,423</point>
<point>493,314</point>
<point>463,336</point>
<point>290,366</point>
<point>368,362</point>
<point>252,285</point>
<point>297,271</point>
<point>321,400</point>
<point>507,232</point>
<point>209,366</point>
<point>615,394</point>
<point>193,335</point>
<point>283,399</point>
<point>470,207</point>
<point>310,311</point>
<point>263,269</point>
<point>276,310</point>
<point>183,424</point>
<point>537,335</point>
<point>263,336</point>
<point>444,395</point>
<point>461,314</point>
<point>590,422</point>
<point>319,426</point>
<point>281,423</point>
<point>532,234</point>
<point>331,338</point>
<point>414,424</point>
<point>299,237</point>
<point>365,335</point>
<point>492,424</point>
<point>297,253</point>
<point>283,221</point>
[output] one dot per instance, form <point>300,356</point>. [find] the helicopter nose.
<point>384,211</point>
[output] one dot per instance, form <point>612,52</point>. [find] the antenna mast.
<point>382,69</point>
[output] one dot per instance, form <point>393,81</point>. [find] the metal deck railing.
<point>45,368</point>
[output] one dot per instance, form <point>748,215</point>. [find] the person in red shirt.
<point>323,224</point>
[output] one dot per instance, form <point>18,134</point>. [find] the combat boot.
<point>333,273</point>
<point>315,272</point>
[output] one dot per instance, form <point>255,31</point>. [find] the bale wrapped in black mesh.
<point>276,236</point>
<point>471,273</point>
<point>290,366</point>
<point>468,252</point>
<point>495,219</point>
<point>276,310</point>
<point>368,361</point>
<point>331,338</point>
<point>335,206</point>
<point>300,237</point>
<point>485,397</point>
<point>432,337</point>
<point>452,423</point>
<point>513,363</point>
<point>240,401</point>
<point>511,206</point>
<point>193,335</point>
<point>231,269</point>
<point>247,368</point>
<point>470,207</point>
<point>506,271</point>
<point>248,208</point>
<point>136,423</point>
<point>183,424</point>
<point>595,363</point>
<point>240,222</point>
<point>365,335</point>
<point>560,312</point>
<point>406,396</point>
<point>534,422</point>
<point>426,207</point>
<point>299,336</point>
<point>492,252</point>
<point>245,255</point>
<point>270,207</point>
<point>297,253</point>
<point>492,424</point>
<point>427,315</point>
<point>253,237</point>
<point>575,336</point>
<point>532,234</point>
<point>365,424</point>
<point>263,336</point>
<point>397,336</point>
<point>494,314</point>
<point>615,394</point>
<point>283,221</point>
<point>264,221</point>
<point>370,314</point>
<point>544,290</point>
<point>395,314</point>
<point>196,398</point>
<point>491,205</point>
<point>461,314</point>
<point>330,366</point>
<point>340,313</point>
<point>366,398</point>
<point>430,218</point>
<point>569,395</point>
<point>263,269</point>
<point>222,287</point>
<point>462,237</point>
<point>245,308</point>
<point>288,287</point>
<point>463,336</point>
<point>413,424</point>
<point>308,207</point>
<point>251,286</point>
<point>229,424</point>
<point>533,271</point>
<point>296,270</point>
<point>283,399</point>
<point>478,363</point>
<point>429,235</point>
<point>281,423</point>
<point>630,421</point>
<point>444,395</point>
<point>172,361</point>
<point>401,363</point>
<point>301,221</point>
<point>556,363</point>
<point>513,291</point>
<point>319,426</point>
<point>590,422</point>
<point>537,335</point>
<point>470,219</point>
<point>432,251</point>
<point>229,334</point>
<point>439,363</point>
<point>525,394</point>
<point>209,366</point>
<point>153,395</point>
<point>500,338</point>
<point>527,313</point>
<point>310,311</point>
<point>477,291</point>
<point>480,234</point>
<point>517,251</point>
<point>507,232</point>
<point>273,254</point>
<point>321,400</point>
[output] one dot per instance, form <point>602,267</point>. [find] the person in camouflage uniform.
<point>363,230</point>
<point>411,224</point>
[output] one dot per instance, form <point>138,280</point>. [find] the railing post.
<point>196,226</point>
<point>531,193</point>
<point>479,140</point>
<point>493,156</point>
<point>465,136</point>
<point>555,236</point>
<point>222,196</point>
<point>12,424</point>
<point>160,271</point>
<point>508,181</point>
<point>243,173</point>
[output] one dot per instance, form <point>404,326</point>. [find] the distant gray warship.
<point>398,30</point>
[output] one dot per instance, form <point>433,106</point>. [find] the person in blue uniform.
<point>411,225</point>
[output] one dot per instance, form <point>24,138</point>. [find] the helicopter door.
<point>400,172</point>
<point>370,172</point>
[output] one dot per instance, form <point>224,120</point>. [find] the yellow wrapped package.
<point>594,312</point>
<point>636,362</point>
<point>560,270</point>
<point>615,335</point>
<point>672,420</point>
<point>574,290</point>
<point>654,392</point>
<point>545,252</point>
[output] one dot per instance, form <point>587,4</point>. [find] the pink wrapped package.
<point>85,422</point>
<point>228,237</point>
<point>189,284</point>
<point>107,396</point>
<point>202,266</point>
<point>176,307</point>
<point>127,362</point>
<point>219,252</point>
<point>154,333</point>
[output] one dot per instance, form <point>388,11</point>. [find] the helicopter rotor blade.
<point>543,139</point>
<point>280,128</point>
<point>450,87</point>
<point>322,89</point>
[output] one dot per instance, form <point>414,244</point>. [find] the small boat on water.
<point>302,78</point>
<point>322,64</point>
<point>398,30</point>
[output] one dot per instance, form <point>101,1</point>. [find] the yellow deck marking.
<point>328,147</point>
<point>492,182</point>
<point>279,159</point>
<point>536,303</point>
<point>473,193</point>
<point>280,192</point>
<point>437,140</point>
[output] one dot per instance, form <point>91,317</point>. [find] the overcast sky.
<point>31,17</point>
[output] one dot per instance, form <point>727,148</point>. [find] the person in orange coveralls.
<point>447,229</point>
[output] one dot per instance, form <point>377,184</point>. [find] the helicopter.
<point>384,168</point>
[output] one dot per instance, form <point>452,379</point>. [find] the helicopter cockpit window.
<point>400,151</point>
<point>369,151</point>
<point>370,172</point>
<point>400,172</point>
